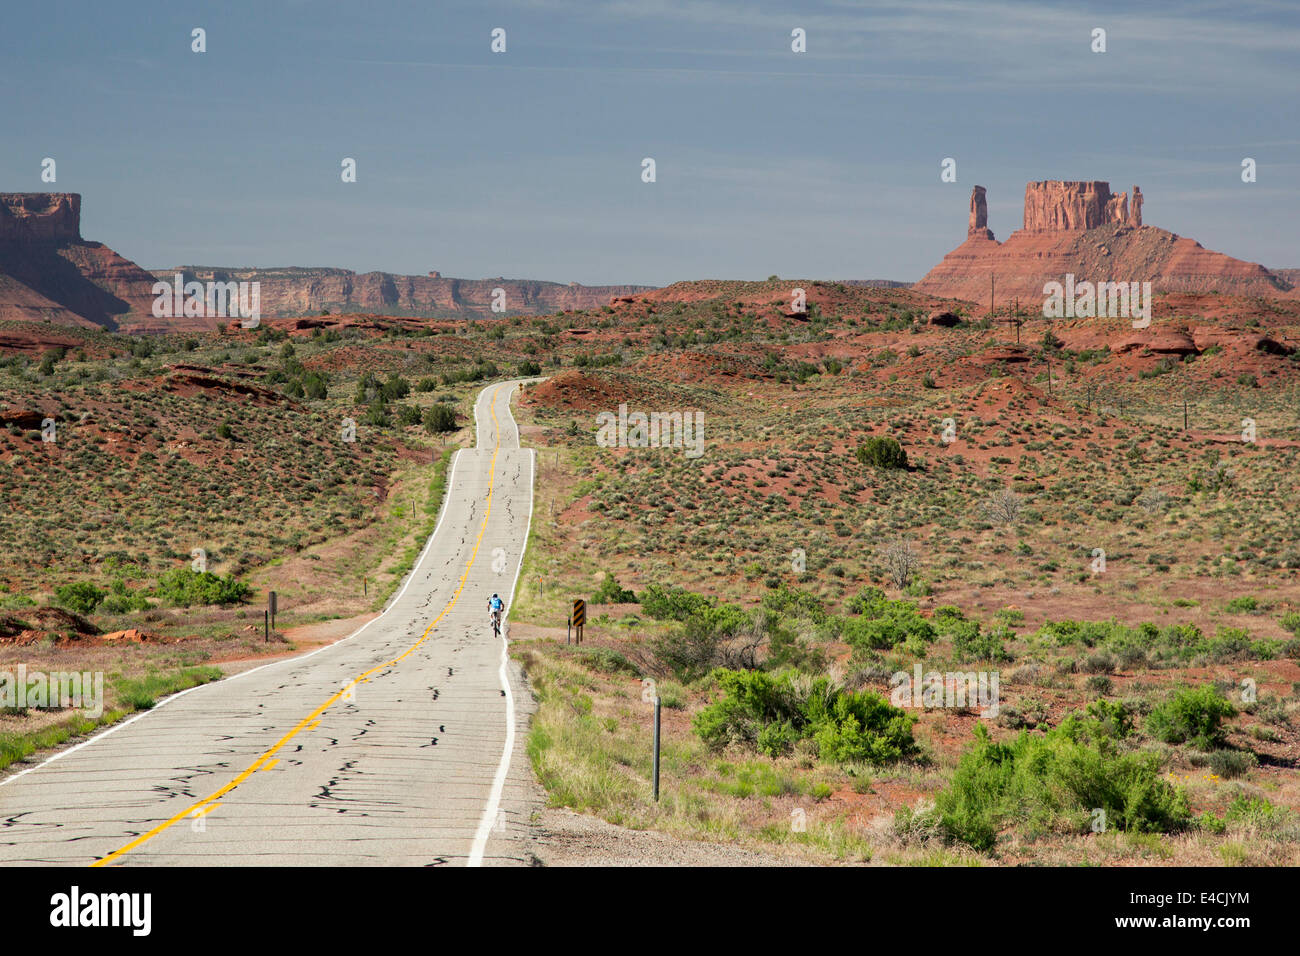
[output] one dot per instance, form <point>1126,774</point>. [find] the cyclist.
<point>495,605</point>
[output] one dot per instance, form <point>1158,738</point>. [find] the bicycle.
<point>496,623</point>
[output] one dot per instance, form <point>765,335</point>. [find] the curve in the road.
<point>45,809</point>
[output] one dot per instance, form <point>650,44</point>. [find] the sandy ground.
<point>564,838</point>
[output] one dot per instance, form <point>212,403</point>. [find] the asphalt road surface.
<point>401,744</point>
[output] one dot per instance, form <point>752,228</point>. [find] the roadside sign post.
<point>272,605</point>
<point>656,761</point>
<point>579,619</point>
<point>266,627</point>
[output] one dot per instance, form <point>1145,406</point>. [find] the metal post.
<point>656,770</point>
<point>568,631</point>
<point>266,626</point>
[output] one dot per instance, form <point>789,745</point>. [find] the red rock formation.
<point>979,215</point>
<point>1205,336</point>
<point>1055,206</point>
<point>43,217</point>
<point>291,292</point>
<point>49,274</point>
<point>1080,228</point>
<point>1164,342</point>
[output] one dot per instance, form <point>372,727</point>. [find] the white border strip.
<point>492,807</point>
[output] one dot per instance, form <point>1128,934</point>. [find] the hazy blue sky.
<point>528,164</point>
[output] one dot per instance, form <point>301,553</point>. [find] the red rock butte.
<point>40,217</point>
<point>1084,229</point>
<point>48,273</point>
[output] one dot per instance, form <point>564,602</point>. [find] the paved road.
<point>402,744</point>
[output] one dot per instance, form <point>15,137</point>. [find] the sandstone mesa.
<point>1081,228</point>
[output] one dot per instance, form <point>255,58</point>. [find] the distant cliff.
<point>48,273</point>
<point>297,291</point>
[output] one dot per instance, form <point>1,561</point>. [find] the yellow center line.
<point>267,759</point>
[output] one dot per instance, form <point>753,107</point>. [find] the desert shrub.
<point>395,387</point>
<point>1256,812</point>
<point>702,644</point>
<point>969,643</point>
<point>1291,622</point>
<point>528,369</point>
<point>791,601</point>
<point>882,452</point>
<point>772,711</point>
<point>1099,684</point>
<point>439,418</point>
<point>1175,642</point>
<point>1242,605</point>
<point>671,602</point>
<point>869,602</point>
<point>1103,719</point>
<point>185,587</point>
<point>1191,715</point>
<point>608,661</point>
<point>862,726</point>
<point>891,624</point>
<point>120,600</point>
<point>1054,782</point>
<point>1232,763</point>
<point>80,597</point>
<point>609,592</point>
<point>945,614</point>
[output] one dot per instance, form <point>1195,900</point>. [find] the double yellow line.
<point>268,759</point>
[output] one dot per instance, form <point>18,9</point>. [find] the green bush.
<point>1050,781</point>
<point>123,601</point>
<point>889,625</point>
<point>970,644</point>
<point>80,597</point>
<point>772,711</point>
<point>1191,715</point>
<point>185,587</point>
<point>439,418</point>
<point>395,387</point>
<point>785,600</point>
<point>609,592</point>
<point>671,602</point>
<point>870,602</point>
<point>882,453</point>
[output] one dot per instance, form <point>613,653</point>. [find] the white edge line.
<point>113,728</point>
<point>503,768</point>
